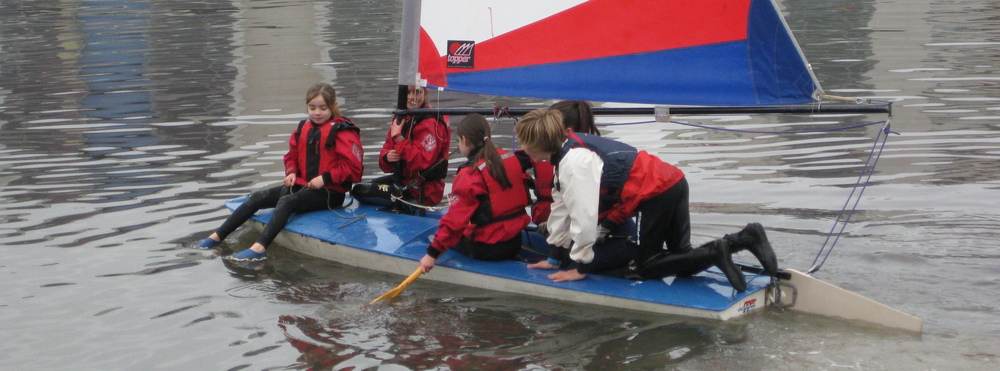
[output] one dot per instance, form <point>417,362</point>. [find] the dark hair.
<point>329,96</point>
<point>577,116</point>
<point>476,131</point>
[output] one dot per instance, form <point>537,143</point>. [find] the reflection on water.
<point>480,333</point>
<point>125,125</point>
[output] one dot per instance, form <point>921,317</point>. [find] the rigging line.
<point>864,179</point>
<point>748,131</point>
<point>498,113</point>
<point>780,132</point>
<point>395,198</point>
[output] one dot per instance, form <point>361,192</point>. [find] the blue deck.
<point>407,236</point>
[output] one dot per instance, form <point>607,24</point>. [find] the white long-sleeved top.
<point>573,220</point>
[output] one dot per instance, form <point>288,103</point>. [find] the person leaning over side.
<point>323,160</point>
<point>577,117</point>
<point>601,183</point>
<point>487,202</point>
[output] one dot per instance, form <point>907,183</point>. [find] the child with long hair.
<point>323,161</point>
<point>488,200</point>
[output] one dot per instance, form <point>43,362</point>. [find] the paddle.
<point>402,286</point>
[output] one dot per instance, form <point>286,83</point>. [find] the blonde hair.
<point>329,96</point>
<point>541,130</point>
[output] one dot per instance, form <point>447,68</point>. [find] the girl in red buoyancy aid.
<point>488,200</point>
<point>415,154</point>
<point>323,160</point>
<point>419,145</point>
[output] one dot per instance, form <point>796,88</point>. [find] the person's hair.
<point>541,130</point>
<point>577,116</point>
<point>329,95</point>
<point>476,131</point>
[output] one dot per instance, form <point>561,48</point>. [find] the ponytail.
<point>494,163</point>
<point>476,130</point>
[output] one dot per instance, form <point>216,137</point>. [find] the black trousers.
<point>503,250</point>
<point>612,253</point>
<point>665,218</point>
<point>285,202</point>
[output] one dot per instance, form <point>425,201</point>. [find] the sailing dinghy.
<point>710,56</point>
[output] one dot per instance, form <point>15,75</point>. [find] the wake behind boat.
<point>363,236</point>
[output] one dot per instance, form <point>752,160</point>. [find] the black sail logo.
<point>461,54</point>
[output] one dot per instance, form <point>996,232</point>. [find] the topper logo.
<point>461,54</point>
<point>748,305</point>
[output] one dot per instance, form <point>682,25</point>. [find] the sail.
<point>707,52</point>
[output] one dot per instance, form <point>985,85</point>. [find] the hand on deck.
<point>570,275</point>
<point>544,264</point>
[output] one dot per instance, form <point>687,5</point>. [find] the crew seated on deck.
<point>323,160</point>
<point>487,202</point>
<point>599,184</point>
<point>415,153</point>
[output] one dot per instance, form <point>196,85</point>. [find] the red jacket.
<point>648,177</point>
<point>423,144</point>
<point>544,175</point>
<point>470,187</point>
<point>339,161</point>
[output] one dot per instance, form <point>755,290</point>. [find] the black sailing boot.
<point>754,239</point>
<point>693,261</point>
<point>723,258</point>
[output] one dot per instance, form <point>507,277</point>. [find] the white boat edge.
<point>391,264</point>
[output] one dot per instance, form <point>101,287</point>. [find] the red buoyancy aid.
<point>544,176</point>
<point>472,213</point>
<point>424,155</point>
<point>340,153</point>
<point>507,203</point>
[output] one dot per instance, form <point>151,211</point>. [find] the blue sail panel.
<point>706,75</point>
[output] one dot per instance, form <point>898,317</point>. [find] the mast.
<point>409,50</point>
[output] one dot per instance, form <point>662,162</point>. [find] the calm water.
<point>125,125</point>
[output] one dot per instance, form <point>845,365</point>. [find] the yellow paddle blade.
<point>402,286</point>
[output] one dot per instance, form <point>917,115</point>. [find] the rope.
<point>415,205</point>
<point>328,195</point>
<point>859,188</point>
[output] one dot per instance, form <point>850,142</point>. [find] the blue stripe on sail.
<point>715,75</point>
<point>780,73</point>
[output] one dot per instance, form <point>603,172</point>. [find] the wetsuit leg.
<point>302,201</point>
<point>262,199</point>
<point>665,218</point>
<point>614,251</point>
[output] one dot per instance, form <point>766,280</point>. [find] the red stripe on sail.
<point>594,30</point>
